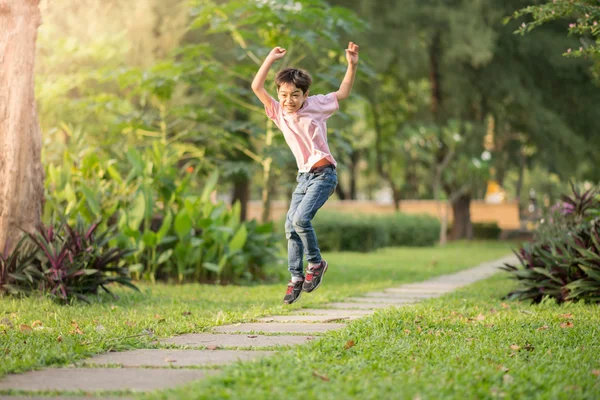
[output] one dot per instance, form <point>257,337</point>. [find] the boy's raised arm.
<point>348,82</point>
<point>258,84</point>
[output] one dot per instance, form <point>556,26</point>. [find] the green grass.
<point>466,345</point>
<point>66,334</point>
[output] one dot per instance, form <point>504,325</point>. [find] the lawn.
<point>37,332</point>
<point>466,345</point>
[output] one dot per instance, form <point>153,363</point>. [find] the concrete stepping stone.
<point>316,315</point>
<point>401,295</point>
<point>97,379</point>
<point>368,306</point>
<point>308,318</point>
<point>83,397</point>
<point>274,327</point>
<point>420,289</point>
<point>87,397</point>
<point>335,313</point>
<point>176,357</point>
<point>229,340</point>
<point>382,300</point>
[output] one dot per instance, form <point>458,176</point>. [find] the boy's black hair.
<point>298,77</point>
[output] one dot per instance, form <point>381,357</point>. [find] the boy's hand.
<point>352,53</point>
<point>277,53</point>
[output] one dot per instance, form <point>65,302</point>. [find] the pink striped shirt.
<point>305,130</point>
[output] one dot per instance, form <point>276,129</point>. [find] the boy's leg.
<point>318,189</point>
<point>296,248</point>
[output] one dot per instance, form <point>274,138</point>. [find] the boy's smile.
<point>291,98</point>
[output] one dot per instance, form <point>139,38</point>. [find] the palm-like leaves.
<point>65,262</point>
<point>564,266</point>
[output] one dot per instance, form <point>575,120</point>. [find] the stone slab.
<point>309,318</point>
<point>401,295</point>
<point>96,379</point>
<point>82,397</point>
<point>229,340</point>
<point>420,288</point>
<point>19,397</point>
<point>368,306</point>
<point>174,357</point>
<point>336,312</point>
<point>383,300</point>
<point>275,327</point>
<point>427,285</point>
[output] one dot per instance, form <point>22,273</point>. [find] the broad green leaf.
<point>91,200</point>
<point>136,268</point>
<point>164,256</point>
<point>210,266</point>
<point>149,238</point>
<point>183,224</point>
<point>239,239</point>
<point>137,211</point>
<point>210,185</point>
<point>114,174</point>
<point>166,226</point>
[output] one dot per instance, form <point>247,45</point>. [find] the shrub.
<point>347,232</point>
<point>161,210</point>
<point>486,230</point>
<point>563,261</point>
<point>65,262</point>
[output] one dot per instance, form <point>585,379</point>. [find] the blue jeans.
<point>312,191</point>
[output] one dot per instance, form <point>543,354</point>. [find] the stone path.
<point>153,369</point>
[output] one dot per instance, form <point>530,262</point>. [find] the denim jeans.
<point>312,191</point>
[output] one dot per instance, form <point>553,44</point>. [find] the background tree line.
<point>448,96</point>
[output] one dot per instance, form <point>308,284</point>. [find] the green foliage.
<point>486,230</point>
<point>563,262</point>
<point>65,262</point>
<point>16,267</point>
<point>585,17</point>
<point>344,232</point>
<point>162,214</point>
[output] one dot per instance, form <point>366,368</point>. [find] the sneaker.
<point>293,293</point>
<point>314,276</point>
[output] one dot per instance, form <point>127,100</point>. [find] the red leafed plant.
<point>563,262</point>
<point>66,262</point>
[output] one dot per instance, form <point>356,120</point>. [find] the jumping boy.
<point>302,119</point>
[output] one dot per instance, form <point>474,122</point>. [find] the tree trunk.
<point>267,176</point>
<point>353,169</point>
<point>519,188</point>
<point>435,76</point>
<point>340,191</point>
<point>241,179</point>
<point>396,195</point>
<point>241,193</point>
<point>21,172</point>
<point>461,211</point>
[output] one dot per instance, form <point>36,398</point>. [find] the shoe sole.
<point>321,281</point>
<point>295,300</point>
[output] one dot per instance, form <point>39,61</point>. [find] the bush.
<point>486,230</point>
<point>563,261</point>
<point>65,262</point>
<point>347,232</point>
<point>161,210</point>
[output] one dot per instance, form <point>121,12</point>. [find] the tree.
<point>236,36</point>
<point>21,172</point>
<point>585,24</point>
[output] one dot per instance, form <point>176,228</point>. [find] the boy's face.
<point>291,98</point>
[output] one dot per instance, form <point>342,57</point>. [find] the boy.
<point>302,119</point>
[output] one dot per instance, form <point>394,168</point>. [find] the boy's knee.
<point>301,222</point>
